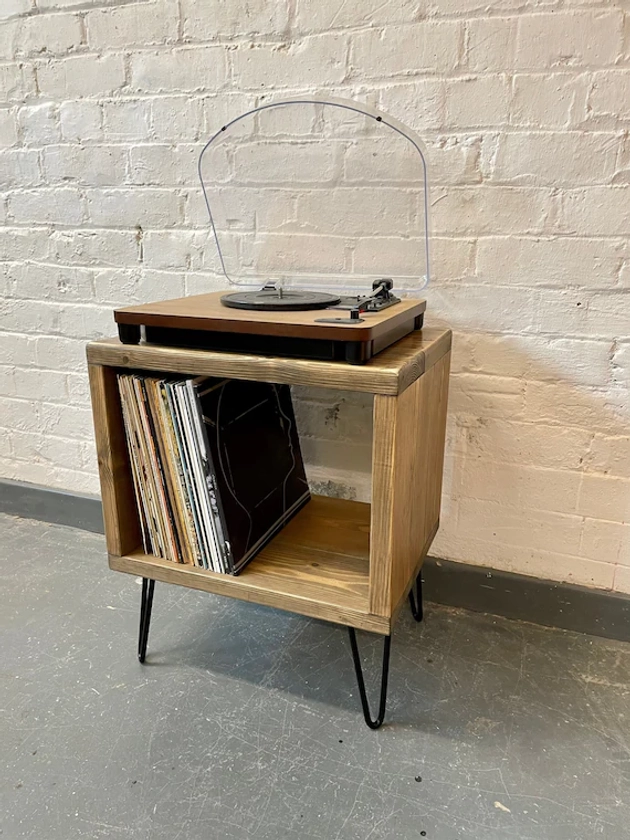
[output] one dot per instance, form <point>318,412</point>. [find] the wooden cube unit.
<point>342,561</point>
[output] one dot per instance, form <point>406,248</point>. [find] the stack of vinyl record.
<point>216,464</point>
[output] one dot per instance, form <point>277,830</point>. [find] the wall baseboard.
<point>594,611</point>
<point>50,505</point>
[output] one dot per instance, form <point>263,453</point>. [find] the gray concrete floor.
<point>245,721</point>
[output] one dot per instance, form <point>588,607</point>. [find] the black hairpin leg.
<point>146,603</point>
<point>416,601</point>
<point>373,724</point>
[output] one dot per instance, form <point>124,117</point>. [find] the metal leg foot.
<point>146,605</point>
<point>373,724</point>
<point>416,601</point>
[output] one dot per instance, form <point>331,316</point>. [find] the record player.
<point>300,194</point>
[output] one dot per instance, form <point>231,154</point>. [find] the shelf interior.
<point>317,565</point>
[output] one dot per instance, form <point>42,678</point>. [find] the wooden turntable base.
<point>201,321</point>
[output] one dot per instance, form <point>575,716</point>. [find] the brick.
<point>454,159</point>
<point>116,286</point>
<point>563,312</point>
<point>8,128</point>
<point>620,364</point>
<point>81,76</point>
<point>218,110</point>
<point>129,119</point>
<point>77,387</point>
<point>168,165</point>
<point>16,83</point>
<point>134,25</point>
<point>38,124</point>
<point>173,249</point>
<point>609,95</point>
<point>20,415</point>
<point>17,349</point>
<point>62,206</point>
<point>486,396</point>
<point>540,563</point>
<point>610,454</point>
<point>622,575</point>
<point>63,420</point>
<point>19,167</point>
<point>301,163</point>
<point>15,8</point>
<point>41,34</point>
<point>504,308</point>
<point>566,404</point>
<point>606,315</point>
<point>477,101</point>
<point>450,258</point>
<point>557,100</point>
<point>388,159</point>
<point>7,389</point>
<point>90,165</point>
<point>472,211</point>
<point>23,243</point>
<point>419,103</point>
<point>280,65</point>
<point>132,207</point>
<point>383,211</point>
<point>45,282</point>
<point>509,442</point>
<point>596,211</point>
<point>602,540</point>
<point>315,16</point>
<point>605,497</point>
<point>272,253</point>
<point>546,531</point>
<point>186,68</point>
<point>42,385</point>
<point>9,39</point>
<point>520,486</point>
<point>60,353</point>
<point>532,158</point>
<point>94,247</point>
<point>428,46</point>
<point>490,44</point>
<point>80,121</point>
<point>215,19</point>
<point>568,39</point>
<point>551,261</point>
<point>176,118</point>
<point>85,321</point>
<point>30,316</point>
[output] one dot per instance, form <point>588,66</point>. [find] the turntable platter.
<point>275,300</point>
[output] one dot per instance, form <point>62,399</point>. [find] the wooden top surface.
<point>390,372</point>
<point>206,312</point>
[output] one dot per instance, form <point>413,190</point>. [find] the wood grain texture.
<point>206,312</point>
<point>316,566</point>
<point>391,372</point>
<point>122,526</point>
<point>408,456</point>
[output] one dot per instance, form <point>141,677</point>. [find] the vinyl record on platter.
<point>274,300</point>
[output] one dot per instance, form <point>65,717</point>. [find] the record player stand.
<point>343,561</point>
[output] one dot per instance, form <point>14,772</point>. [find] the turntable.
<point>300,195</point>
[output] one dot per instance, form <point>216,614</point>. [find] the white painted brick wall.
<point>524,107</point>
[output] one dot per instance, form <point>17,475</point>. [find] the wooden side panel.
<point>409,433</point>
<point>386,411</point>
<point>120,514</point>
